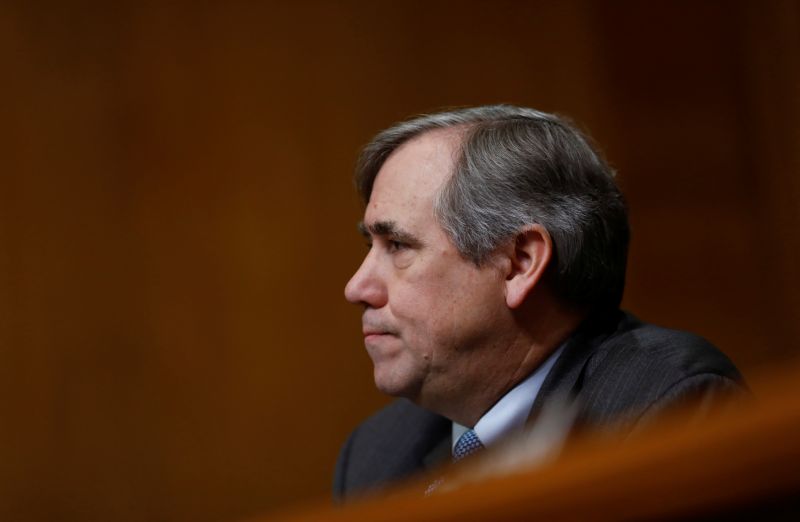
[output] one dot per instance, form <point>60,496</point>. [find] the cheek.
<point>469,311</point>
<point>435,322</point>
<point>438,306</point>
<point>423,316</point>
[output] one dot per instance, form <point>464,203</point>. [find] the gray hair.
<point>516,167</point>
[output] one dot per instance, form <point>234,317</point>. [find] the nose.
<point>367,286</point>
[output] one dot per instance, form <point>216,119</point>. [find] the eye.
<point>395,246</point>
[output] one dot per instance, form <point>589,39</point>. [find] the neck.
<point>536,331</point>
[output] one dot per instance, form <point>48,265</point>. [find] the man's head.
<point>475,216</point>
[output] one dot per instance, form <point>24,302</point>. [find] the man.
<point>498,244</point>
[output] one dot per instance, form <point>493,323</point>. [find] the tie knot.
<point>467,444</point>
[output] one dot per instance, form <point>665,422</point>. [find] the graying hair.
<point>516,167</point>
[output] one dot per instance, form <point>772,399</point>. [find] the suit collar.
<point>566,378</point>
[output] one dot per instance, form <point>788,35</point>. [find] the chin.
<point>394,385</point>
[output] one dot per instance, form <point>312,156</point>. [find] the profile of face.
<point>434,323</point>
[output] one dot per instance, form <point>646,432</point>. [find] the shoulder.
<point>641,347</point>
<point>389,445</point>
<point>641,368</point>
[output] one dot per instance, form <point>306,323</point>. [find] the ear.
<point>529,255</point>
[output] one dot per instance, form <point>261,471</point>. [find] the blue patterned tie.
<point>467,444</point>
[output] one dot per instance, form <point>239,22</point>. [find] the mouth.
<point>376,329</point>
<point>374,334</point>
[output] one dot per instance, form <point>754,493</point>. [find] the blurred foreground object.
<point>743,462</point>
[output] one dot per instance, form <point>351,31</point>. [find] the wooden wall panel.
<point>177,218</point>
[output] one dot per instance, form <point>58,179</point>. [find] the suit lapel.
<point>439,453</point>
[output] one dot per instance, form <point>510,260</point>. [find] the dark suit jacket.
<point>620,371</point>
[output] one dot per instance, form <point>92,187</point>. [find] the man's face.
<point>433,322</point>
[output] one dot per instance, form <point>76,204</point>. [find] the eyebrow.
<point>388,229</point>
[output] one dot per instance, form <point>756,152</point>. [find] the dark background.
<point>177,216</point>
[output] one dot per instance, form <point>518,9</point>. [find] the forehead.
<point>411,176</point>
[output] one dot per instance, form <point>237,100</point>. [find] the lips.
<point>376,336</point>
<point>373,333</point>
<point>374,327</point>
<point>368,332</point>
